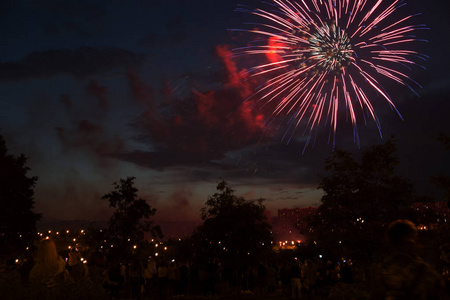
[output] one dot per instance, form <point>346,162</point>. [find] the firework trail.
<point>329,55</point>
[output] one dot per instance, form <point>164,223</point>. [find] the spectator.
<point>271,278</point>
<point>183,270</point>
<point>163,273</point>
<point>77,269</point>
<point>113,279</point>
<point>49,267</point>
<point>136,279</point>
<point>150,276</point>
<point>296,284</point>
<point>403,274</point>
<point>346,273</point>
<point>309,278</point>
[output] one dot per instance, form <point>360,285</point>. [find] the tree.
<point>17,219</point>
<point>131,218</point>
<point>234,230</point>
<point>360,199</point>
<point>443,181</point>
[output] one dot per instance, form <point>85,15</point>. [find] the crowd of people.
<point>402,275</point>
<point>160,279</point>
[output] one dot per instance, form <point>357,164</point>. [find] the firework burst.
<point>329,55</point>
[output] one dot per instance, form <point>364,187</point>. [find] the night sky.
<point>93,91</point>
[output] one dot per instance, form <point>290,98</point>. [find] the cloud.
<point>91,137</point>
<point>99,92</point>
<point>177,206</point>
<point>158,160</point>
<point>204,125</point>
<point>216,133</point>
<point>141,92</point>
<point>79,62</point>
<point>66,100</point>
<point>77,199</point>
<point>194,130</point>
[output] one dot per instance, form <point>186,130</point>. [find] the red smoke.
<point>140,90</point>
<point>272,55</point>
<point>237,79</point>
<point>209,122</point>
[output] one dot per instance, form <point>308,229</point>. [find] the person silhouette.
<point>49,267</point>
<point>404,274</point>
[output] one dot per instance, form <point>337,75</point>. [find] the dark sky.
<point>94,91</point>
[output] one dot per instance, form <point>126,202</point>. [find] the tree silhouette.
<point>360,199</point>
<point>443,181</point>
<point>17,219</point>
<point>131,218</point>
<point>234,230</point>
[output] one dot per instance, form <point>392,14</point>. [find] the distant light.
<point>134,247</point>
<point>47,238</point>
<point>165,248</point>
<point>17,261</point>
<point>156,254</point>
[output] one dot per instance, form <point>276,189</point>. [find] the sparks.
<point>327,55</point>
